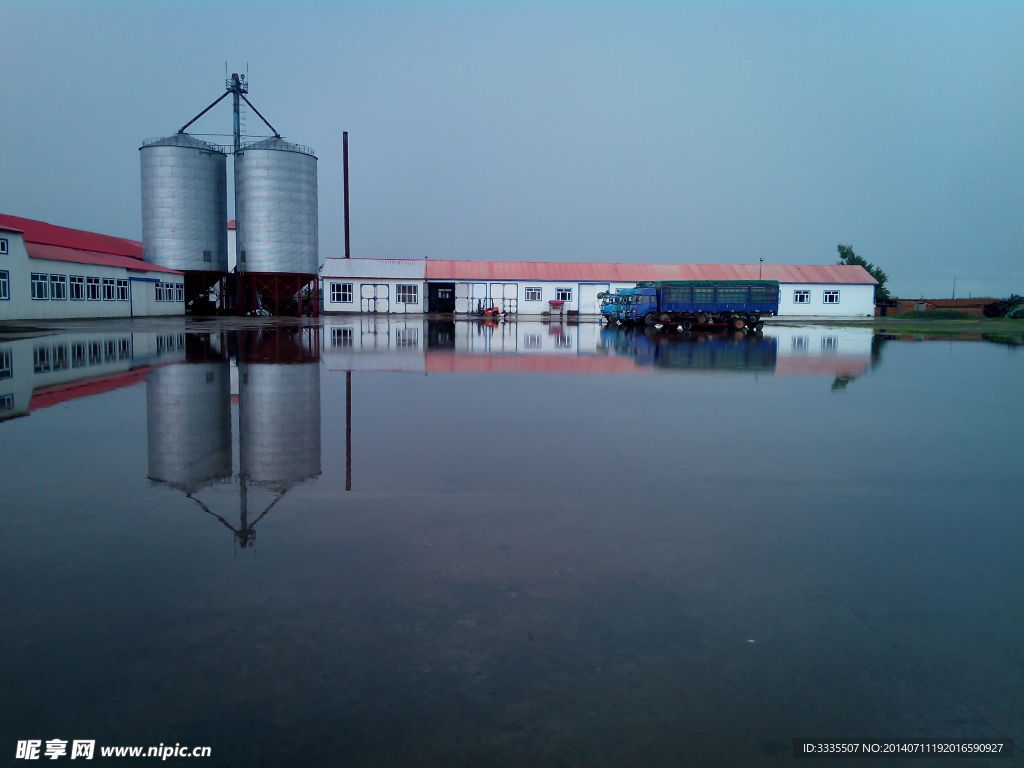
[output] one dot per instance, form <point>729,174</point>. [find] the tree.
<point>847,256</point>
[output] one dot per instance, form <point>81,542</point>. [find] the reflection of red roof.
<point>48,241</point>
<point>454,362</point>
<point>631,273</point>
<point>821,365</point>
<point>44,397</point>
<point>57,253</point>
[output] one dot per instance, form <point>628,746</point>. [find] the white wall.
<point>374,295</point>
<point>854,300</point>
<point>21,306</point>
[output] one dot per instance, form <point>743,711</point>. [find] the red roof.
<point>48,241</point>
<point>632,273</point>
<point>50,234</point>
<point>57,253</point>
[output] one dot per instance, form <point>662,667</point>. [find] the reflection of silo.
<point>279,422</point>
<point>184,204</point>
<point>188,411</point>
<point>276,208</point>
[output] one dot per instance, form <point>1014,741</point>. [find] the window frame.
<point>179,292</point>
<point>533,289</point>
<point>563,294</point>
<point>123,295</point>
<point>41,279</point>
<point>92,286</point>
<point>62,281</point>
<point>830,296</point>
<point>801,296</point>
<point>109,289</point>
<point>76,281</point>
<point>337,291</point>
<point>406,288</point>
<point>5,285</point>
<point>5,248</point>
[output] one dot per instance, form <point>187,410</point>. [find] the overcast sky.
<point>594,131</point>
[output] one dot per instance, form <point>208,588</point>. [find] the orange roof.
<point>632,273</point>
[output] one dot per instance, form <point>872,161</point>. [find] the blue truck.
<point>686,304</point>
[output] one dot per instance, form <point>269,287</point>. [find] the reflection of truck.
<point>694,350</point>
<point>736,304</point>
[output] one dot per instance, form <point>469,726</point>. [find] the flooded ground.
<point>374,543</point>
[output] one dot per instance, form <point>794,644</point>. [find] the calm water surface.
<point>373,543</point>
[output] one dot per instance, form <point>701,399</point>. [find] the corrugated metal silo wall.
<point>184,204</point>
<point>279,422</point>
<point>276,208</point>
<point>188,415</point>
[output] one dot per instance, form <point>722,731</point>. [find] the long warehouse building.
<point>49,272</point>
<point>537,288</point>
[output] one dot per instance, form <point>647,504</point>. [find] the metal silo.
<point>188,414</point>
<point>184,204</point>
<point>276,208</point>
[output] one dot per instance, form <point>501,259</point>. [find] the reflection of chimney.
<point>188,414</point>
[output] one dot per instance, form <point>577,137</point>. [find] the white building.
<point>533,288</point>
<point>49,272</point>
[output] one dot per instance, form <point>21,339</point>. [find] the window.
<point>5,285</point>
<point>799,343</point>
<point>179,291</point>
<point>6,364</point>
<point>109,290</point>
<point>40,286</point>
<point>531,341</point>
<point>58,287</point>
<point>41,359</point>
<point>563,342</point>
<point>122,289</point>
<point>77,288</point>
<point>407,337</point>
<point>60,357</point>
<point>241,257</point>
<point>533,294</point>
<point>829,344</point>
<point>341,293</point>
<point>208,256</point>
<point>801,297</point>
<point>7,402</point>
<point>563,294</point>
<point>3,246</point>
<point>408,294</point>
<point>92,288</point>
<point>830,297</point>
<point>79,357</point>
<point>341,337</point>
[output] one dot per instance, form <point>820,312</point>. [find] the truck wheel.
<point>738,323</point>
<point>686,325</point>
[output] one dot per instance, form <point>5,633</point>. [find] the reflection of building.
<point>42,371</point>
<point>380,343</point>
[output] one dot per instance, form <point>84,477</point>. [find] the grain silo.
<point>277,230</point>
<point>184,201</point>
<point>184,210</point>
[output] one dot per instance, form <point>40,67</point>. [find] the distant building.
<point>529,288</point>
<point>50,272</point>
